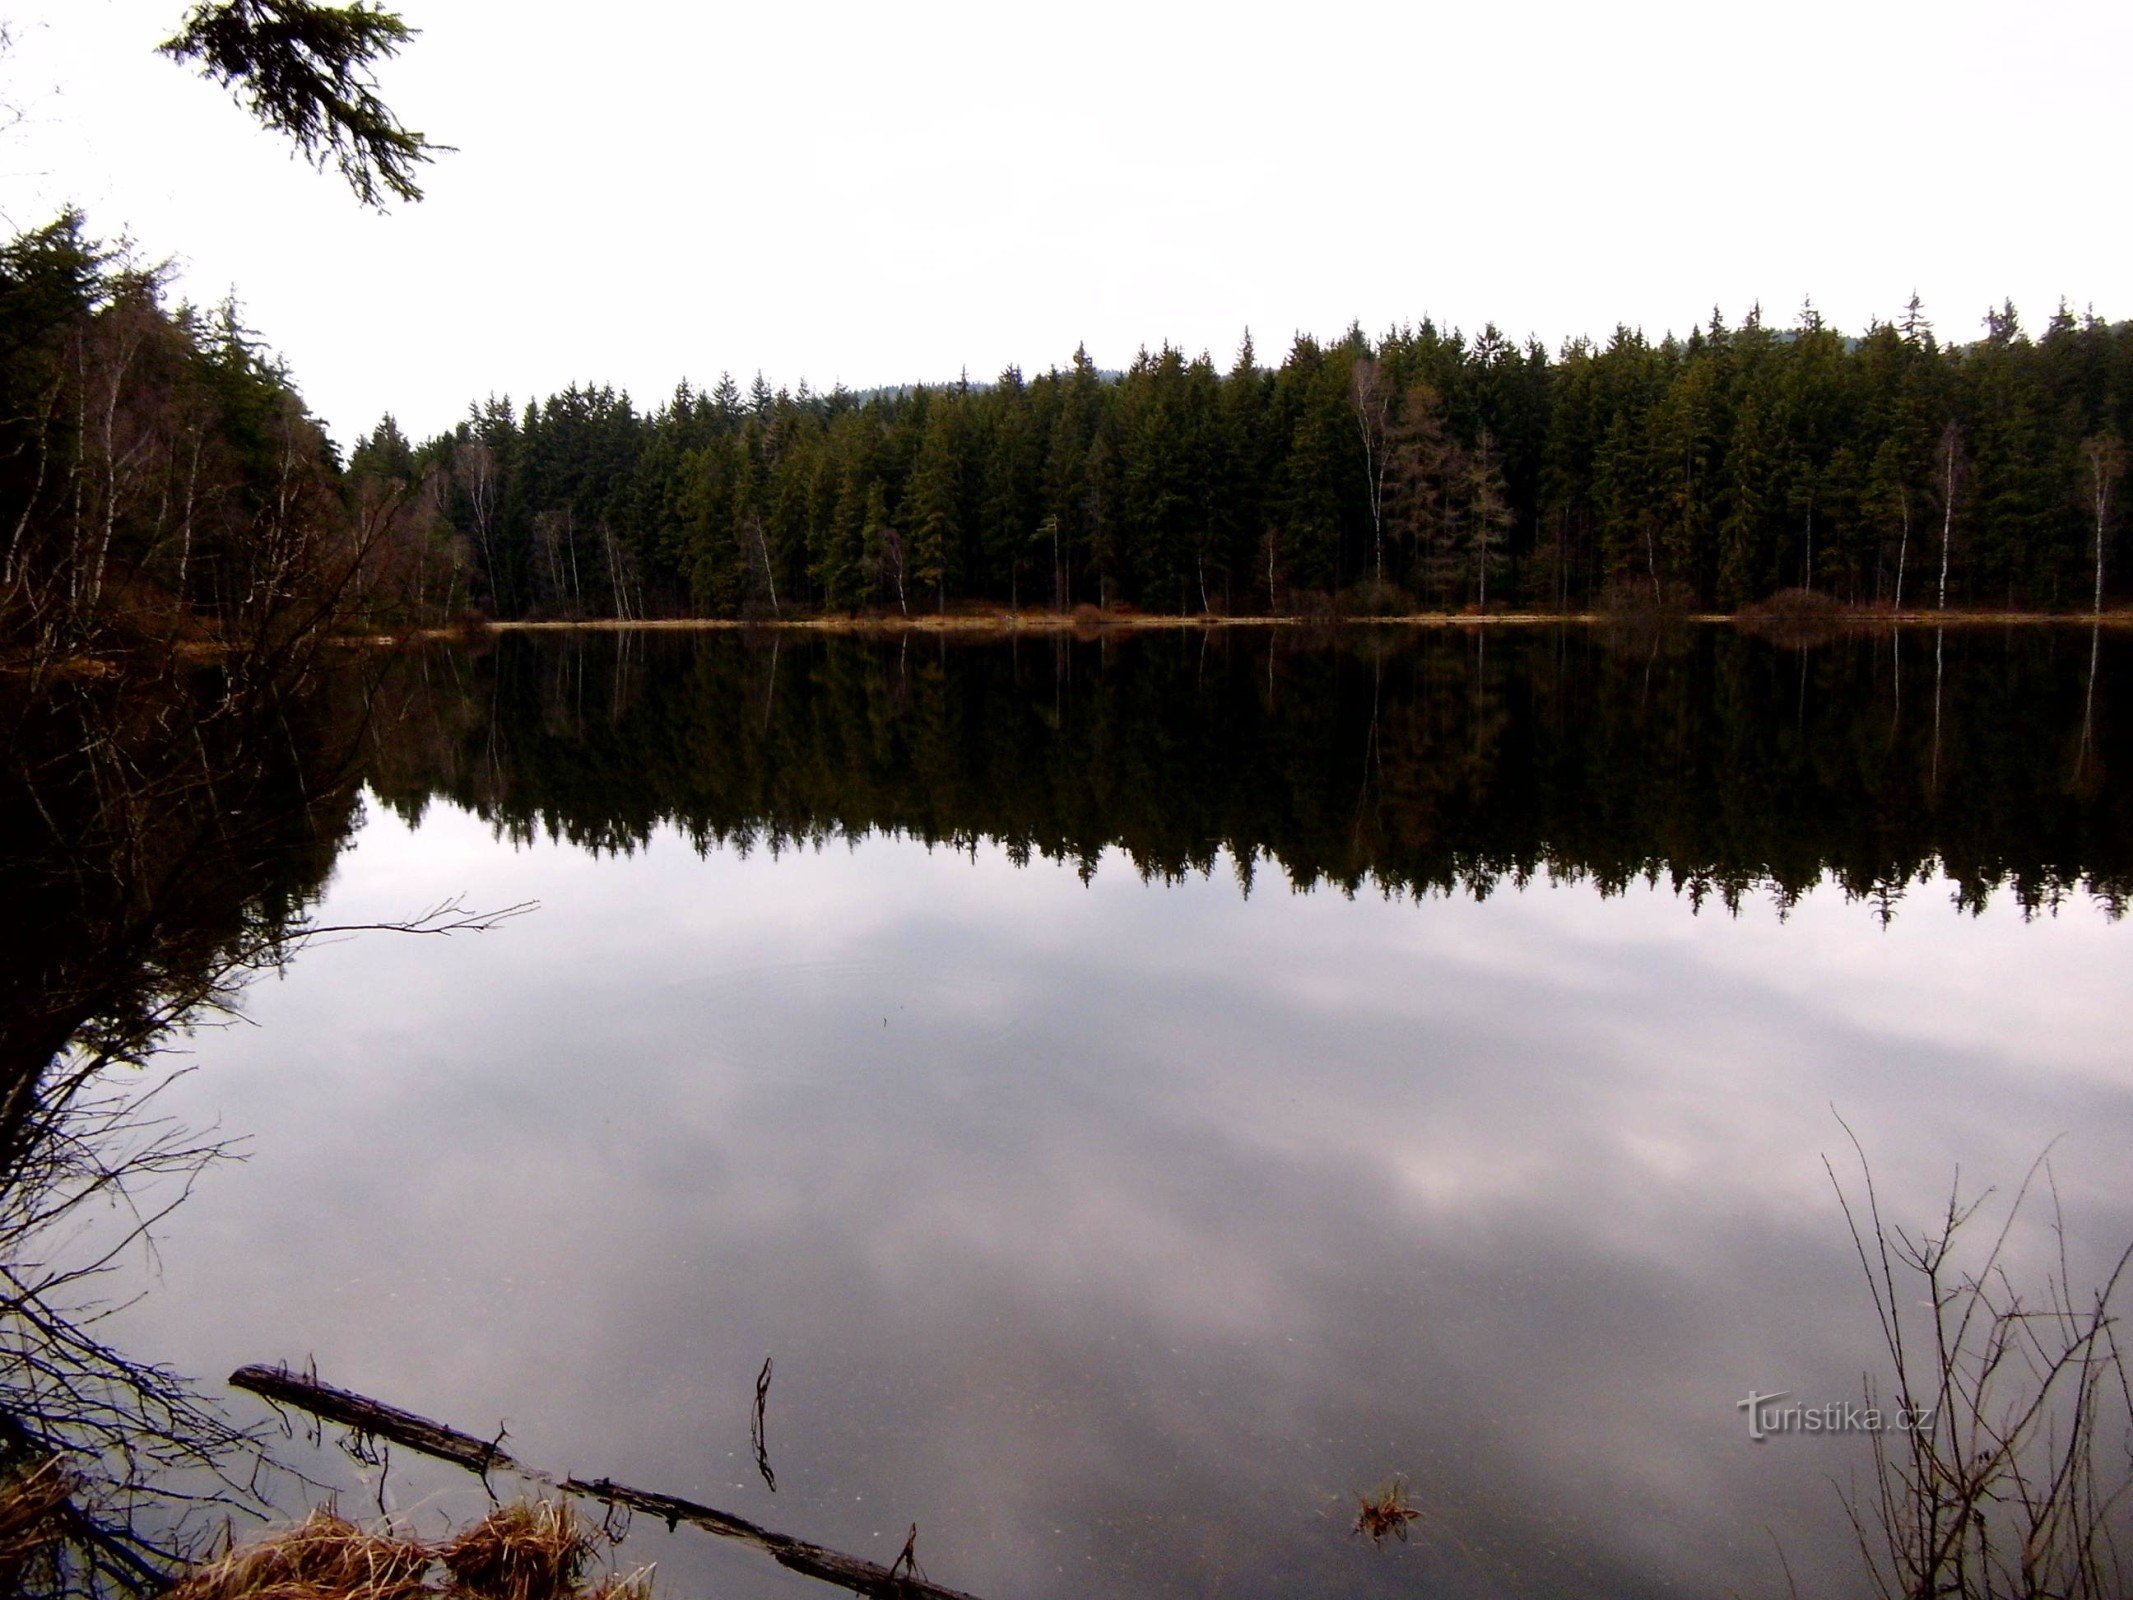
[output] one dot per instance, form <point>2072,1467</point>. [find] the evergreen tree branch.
<point>306,70</point>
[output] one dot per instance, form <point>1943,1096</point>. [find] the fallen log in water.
<point>483,1456</point>
<point>371,1417</point>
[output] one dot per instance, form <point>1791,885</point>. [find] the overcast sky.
<point>887,192</point>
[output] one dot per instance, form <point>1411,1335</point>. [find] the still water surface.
<point>1143,1094</point>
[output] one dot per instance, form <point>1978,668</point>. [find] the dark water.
<point>1143,1093</point>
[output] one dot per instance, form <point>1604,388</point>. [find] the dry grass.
<point>521,1552</point>
<point>1087,622</point>
<point>325,1557</point>
<point>32,1518</point>
<point>1386,1510</point>
<point>538,1551</point>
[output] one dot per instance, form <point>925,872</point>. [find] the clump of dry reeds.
<point>32,1517</point>
<point>537,1551</point>
<point>521,1552</point>
<point>1386,1510</point>
<point>323,1556</point>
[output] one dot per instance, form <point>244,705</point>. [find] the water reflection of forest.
<point>165,837</point>
<point>162,834</point>
<point>1440,761</point>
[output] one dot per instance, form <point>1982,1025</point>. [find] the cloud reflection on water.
<point>1117,1233</point>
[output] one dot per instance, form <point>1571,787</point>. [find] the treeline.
<point>161,481</point>
<point>1432,762</point>
<point>1423,469</point>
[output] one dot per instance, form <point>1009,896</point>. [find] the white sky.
<point>888,192</point>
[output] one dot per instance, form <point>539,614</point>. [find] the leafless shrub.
<point>2014,1483</point>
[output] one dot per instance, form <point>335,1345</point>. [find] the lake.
<point>1143,1092</point>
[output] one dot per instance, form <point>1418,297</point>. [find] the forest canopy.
<point>161,476</point>
<point>162,483</point>
<point>1421,469</point>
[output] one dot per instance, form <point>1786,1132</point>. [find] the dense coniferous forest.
<point>1421,470</point>
<point>161,475</point>
<point>161,482</point>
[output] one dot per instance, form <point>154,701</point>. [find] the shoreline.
<point>1000,623</point>
<point>1047,624</point>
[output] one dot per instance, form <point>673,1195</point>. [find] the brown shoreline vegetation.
<point>525,1550</point>
<point>1089,623</point>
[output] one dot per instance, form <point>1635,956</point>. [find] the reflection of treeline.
<point>161,481</point>
<point>148,835</point>
<point>1420,468</point>
<point>1434,763</point>
<point>162,834</point>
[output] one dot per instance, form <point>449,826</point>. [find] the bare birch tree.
<point>1950,464</point>
<point>1370,398</point>
<point>2105,458</point>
